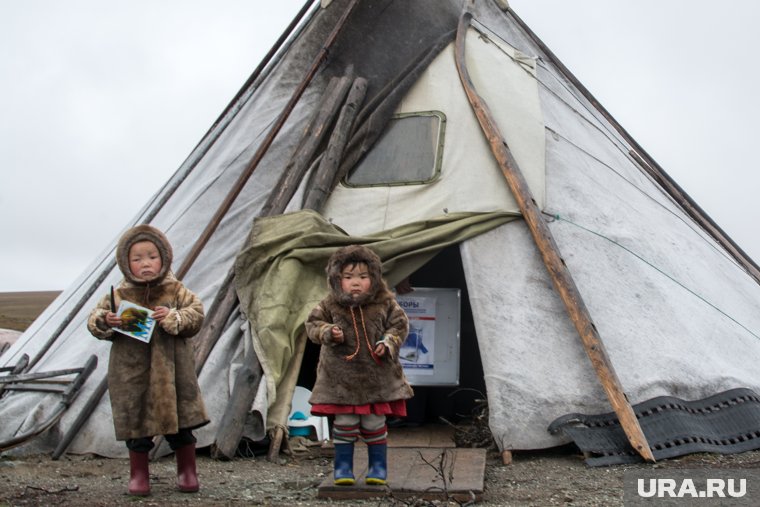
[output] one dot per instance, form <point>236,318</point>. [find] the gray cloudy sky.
<point>93,90</point>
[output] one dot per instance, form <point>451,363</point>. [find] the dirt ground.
<point>19,309</point>
<point>535,478</point>
<point>554,477</point>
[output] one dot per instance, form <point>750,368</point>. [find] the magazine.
<point>136,321</point>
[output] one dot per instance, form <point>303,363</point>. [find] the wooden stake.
<point>326,176</point>
<point>274,448</point>
<point>318,128</point>
<point>554,262</point>
<point>244,390</point>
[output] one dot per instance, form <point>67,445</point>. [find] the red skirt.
<point>395,408</point>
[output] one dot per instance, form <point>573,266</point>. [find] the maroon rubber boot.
<point>139,478</point>
<point>187,476</point>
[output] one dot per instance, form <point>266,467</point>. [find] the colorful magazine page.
<point>136,321</point>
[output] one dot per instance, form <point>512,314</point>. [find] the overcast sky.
<point>92,90</point>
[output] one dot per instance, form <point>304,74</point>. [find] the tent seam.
<point>673,213</point>
<point>557,216</point>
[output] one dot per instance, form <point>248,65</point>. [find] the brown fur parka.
<point>362,379</point>
<point>153,386</point>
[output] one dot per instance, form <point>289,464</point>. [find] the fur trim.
<point>349,255</point>
<point>362,379</point>
<point>139,233</point>
<point>153,387</point>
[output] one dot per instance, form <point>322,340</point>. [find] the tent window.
<point>408,153</point>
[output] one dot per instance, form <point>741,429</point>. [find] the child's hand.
<point>160,313</point>
<point>337,334</point>
<point>380,349</point>
<point>113,320</point>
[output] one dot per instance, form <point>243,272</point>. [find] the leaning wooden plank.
<point>19,367</point>
<point>550,254</point>
<point>25,377</point>
<point>67,398</point>
<point>278,436</point>
<point>244,390</point>
<point>330,103</point>
<point>81,419</point>
<point>37,388</point>
<point>325,177</point>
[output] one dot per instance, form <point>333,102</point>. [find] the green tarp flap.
<point>280,277</point>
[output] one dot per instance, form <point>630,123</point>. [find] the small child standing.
<point>359,376</point>
<point>153,386</point>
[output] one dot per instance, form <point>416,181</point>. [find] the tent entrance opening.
<point>432,403</point>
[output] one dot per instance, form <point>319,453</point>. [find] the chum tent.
<point>358,128</point>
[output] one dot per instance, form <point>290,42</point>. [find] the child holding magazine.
<point>152,382</point>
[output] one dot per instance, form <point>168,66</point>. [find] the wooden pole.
<point>82,418</point>
<point>554,262</point>
<point>318,128</point>
<point>19,368</point>
<point>277,435</point>
<point>244,390</point>
<point>325,177</point>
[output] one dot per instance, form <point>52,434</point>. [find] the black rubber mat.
<point>726,423</point>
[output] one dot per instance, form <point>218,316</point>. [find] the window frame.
<point>438,159</point>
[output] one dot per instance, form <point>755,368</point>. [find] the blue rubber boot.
<point>344,464</point>
<point>377,457</point>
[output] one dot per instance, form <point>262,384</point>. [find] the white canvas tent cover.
<point>678,314</point>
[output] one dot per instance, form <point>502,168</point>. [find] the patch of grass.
<point>19,309</point>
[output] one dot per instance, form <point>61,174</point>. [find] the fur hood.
<point>139,233</point>
<point>349,255</point>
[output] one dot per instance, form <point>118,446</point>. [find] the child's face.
<point>144,260</point>
<point>355,280</point>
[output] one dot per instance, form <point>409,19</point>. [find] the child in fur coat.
<point>153,386</point>
<point>359,376</point>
